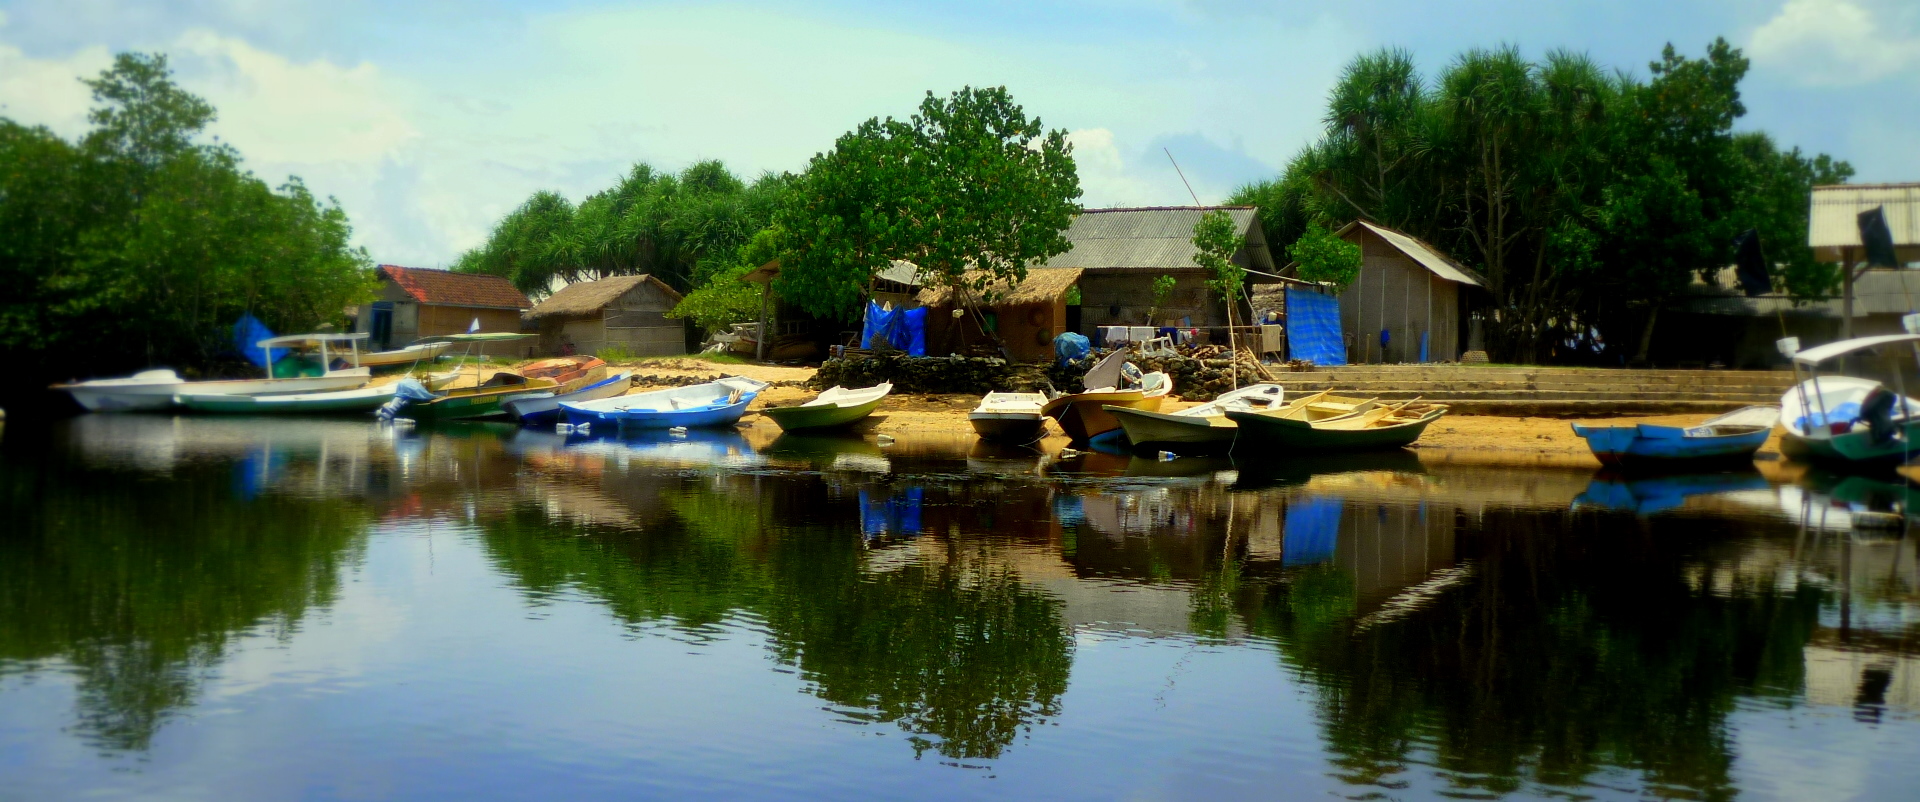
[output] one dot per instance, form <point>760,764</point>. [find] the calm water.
<point>200,608</point>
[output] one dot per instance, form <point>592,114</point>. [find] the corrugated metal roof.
<point>447,288</point>
<point>1421,252</point>
<point>1834,220</point>
<point>1157,238</point>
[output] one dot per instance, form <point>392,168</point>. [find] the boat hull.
<point>540,409</point>
<point>718,403</point>
<point>825,416</point>
<point>1180,434</point>
<point>1854,450</point>
<point>125,395</point>
<point>334,403</point>
<point>725,415</point>
<point>1630,447</point>
<point>1266,435</point>
<point>1008,427</point>
<point>404,356</point>
<point>1083,416</point>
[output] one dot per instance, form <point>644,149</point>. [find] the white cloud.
<point>280,112</point>
<point>1104,175</point>
<point>1833,43</point>
<point>48,91</point>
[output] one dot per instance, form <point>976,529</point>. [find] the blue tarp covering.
<point>1312,530</point>
<point>904,329</point>
<point>1070,346</point>
<point>247,331</point>
<point>1313,328</point>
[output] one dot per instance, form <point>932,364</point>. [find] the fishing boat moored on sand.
<point>1378,427</point>
<point>1198,429</point>
<point>1848,421</point>
<point>1732,437</point>
<point>539,408</point>
<point>838,406</point>
<point>1084,416</point>
<point>714,403</point>
<point>1009,418</point>
<point>155,389</point>
<point>362,399</point>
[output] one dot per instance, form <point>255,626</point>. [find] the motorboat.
<point>540,408</point>
<point>1849,421</point>
<point>417,352</point>
<point>837,406</point>
<point>1009,417</point>
<point>155,389</point>
<point>715,403</point>
<point>1732,438</point>
<point>1197,429</point>
<point>469,403</point>
<point>1084,416</point>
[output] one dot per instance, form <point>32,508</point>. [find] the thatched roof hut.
<point>1042,285</point>
<point>623,313</point>
<point>1026,315</point>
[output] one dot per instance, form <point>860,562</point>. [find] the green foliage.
<point>136,246</point>
<point>682,229</point>
<point>1217,240</point>
<point>969,189</point>
<point>1162,287</point>
<point>1584,196</point>
<point>722,299</point>
<point>1325,258</point>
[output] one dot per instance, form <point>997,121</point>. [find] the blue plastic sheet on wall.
<point>904,329</point>
<point>1312,530</point>
<point>1313,328</point>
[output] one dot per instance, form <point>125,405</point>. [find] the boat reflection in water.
<point>635,609</point>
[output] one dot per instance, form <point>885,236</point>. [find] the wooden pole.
<point>1846,293</point>
<point>760,346</point>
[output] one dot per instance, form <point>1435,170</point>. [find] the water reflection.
<point>1462,630</point>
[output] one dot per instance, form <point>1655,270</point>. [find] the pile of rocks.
<point>920,374</point>
<point>1195,378</point>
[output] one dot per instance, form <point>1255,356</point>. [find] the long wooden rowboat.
<point>364,399</point>
<point>1380,427</point>
<point>1732,437</point>
<point>1198,429</point>
<point>838,406</point>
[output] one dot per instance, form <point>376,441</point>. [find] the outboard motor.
<point>1877,411</point>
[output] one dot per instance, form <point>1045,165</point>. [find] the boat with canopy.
<point>155,389</point>
<point>1851,421</point>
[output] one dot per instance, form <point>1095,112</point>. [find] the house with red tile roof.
<point>416,302</point>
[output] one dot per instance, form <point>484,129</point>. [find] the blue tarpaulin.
<point>1070,346</point>
<point>247,331</point>
<point>1312,530</point>
<point>1313,328</point>
<point>904,329</point>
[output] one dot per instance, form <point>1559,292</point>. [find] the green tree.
<point>1325,258</point>
<point>138,245</point>
<point>970,189</point>
<point>724,299</point>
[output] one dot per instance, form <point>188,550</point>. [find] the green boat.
<point>364,399</point>
<point>836,407</point>
<point>1378,428</point>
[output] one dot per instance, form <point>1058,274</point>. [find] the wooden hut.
<point>416,302</point>
<point>1409,290</point>
<point>627,313</point>
<point>1122,252</point>
<point>1026,316</point>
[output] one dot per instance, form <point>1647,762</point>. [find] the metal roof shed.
<point>1833,230</point>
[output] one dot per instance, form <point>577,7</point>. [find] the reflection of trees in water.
<point>960,651</point>
<point>1546,665</point>
<point>140,583</point>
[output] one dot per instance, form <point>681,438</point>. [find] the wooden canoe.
<point>1376,428</point>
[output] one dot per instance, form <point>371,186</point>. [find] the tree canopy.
<point>139,245</point>
<point>1586,197</point>
<point>970,189</point>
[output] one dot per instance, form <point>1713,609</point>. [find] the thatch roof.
<point>592,297</point>
<point>1042,285</point>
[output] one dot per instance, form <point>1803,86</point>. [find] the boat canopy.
<point>487,337</point>
<point>1816,355</point>
<point>308,340</point>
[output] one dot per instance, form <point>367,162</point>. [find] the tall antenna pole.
<point>1232,347</point>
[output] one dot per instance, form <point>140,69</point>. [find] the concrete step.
<point>1347,388</point>
<point>1738,399</point>
<point>1590,409</point>
<point>1609,378</point>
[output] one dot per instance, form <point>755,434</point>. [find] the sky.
<point>430,120</point>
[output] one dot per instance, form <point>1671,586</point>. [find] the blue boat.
<point>1732,437</point>
<point>1660,493</point>
<point>714,403</point>
<point>544,408</point>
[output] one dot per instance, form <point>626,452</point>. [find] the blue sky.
<point>429,120</point>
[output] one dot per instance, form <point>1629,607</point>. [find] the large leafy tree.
<point>1585,197</point>
<point>970,189</point>
<point>138,244</point>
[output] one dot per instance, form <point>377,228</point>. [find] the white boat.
<point>1196,429</point>
<point>715,403</point>
<point>155,389</point>
<point>1846,420</point>
<point>417,352</point>
<point>1009,417</point>
<point>544,407</point>
<point>362,399</point>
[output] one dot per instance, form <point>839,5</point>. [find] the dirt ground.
<point>1454,439</point>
